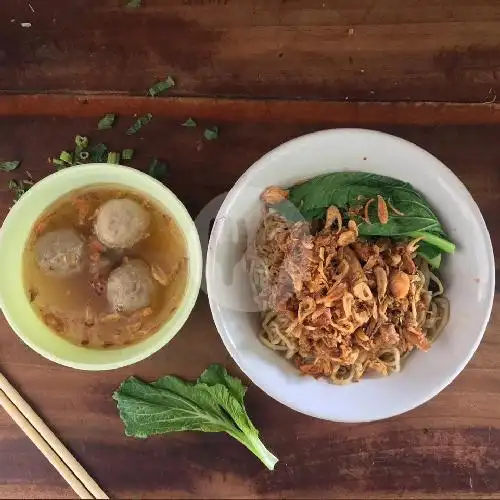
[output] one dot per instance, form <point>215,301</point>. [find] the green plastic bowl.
<point>14,234</point>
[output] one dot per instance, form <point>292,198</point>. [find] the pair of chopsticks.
<point>47,442</point>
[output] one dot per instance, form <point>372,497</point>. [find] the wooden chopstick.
<point>48,443</point>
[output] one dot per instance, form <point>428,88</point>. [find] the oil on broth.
<point>75,306</point>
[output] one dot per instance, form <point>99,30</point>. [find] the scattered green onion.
<point>19,187</point>
<point>139,123</point>
<point>66,157</point>
<point>161,86</point>
<point>127,154</point>
<point>9,166</point>
<point>158,169</point>
<point>107,121</point>
<point>114,157</point>
<point>59,164</point>
<point>189,123</point>
<point>81,144</point>
<point>84,155</point>
<point>210,134</point>
<point>98,153</point>
<point>133,4</point>
<point>81,141</point>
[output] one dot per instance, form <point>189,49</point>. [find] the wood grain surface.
<point>434,50</point>
<point>280,111</point>
<point>448,448</point>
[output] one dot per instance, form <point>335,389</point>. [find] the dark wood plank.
<point>448,447</point>
<point>261,110</point>
<point>438,50</point>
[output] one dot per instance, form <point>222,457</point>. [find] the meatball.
<point>121,223</point>
<point>60,253</point>
<point>130,286</point>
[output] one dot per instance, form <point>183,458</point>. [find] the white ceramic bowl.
<point>468,275</point>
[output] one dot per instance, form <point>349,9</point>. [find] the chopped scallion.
<point>161,86</point>
<point>66,157</point>
<point>189,123</point>
<point>107,121</point>
<point>158,169</point>
<point>9,166</point>
<point>139,123</point>
<point>210,134</point>
<point>114,157</point>
<point>127,154</point>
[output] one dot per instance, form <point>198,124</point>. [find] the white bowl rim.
<point>211,263</point>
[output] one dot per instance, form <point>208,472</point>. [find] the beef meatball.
<point>60,253</point>
<point>121,223</point>
<point>130,286</point>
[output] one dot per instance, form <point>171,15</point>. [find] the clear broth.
<point>74,307</point>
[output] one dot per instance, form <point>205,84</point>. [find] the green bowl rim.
<point>193,245</point>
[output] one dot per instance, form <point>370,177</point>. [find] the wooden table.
<point>82,59</point>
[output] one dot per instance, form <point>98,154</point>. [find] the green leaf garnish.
<point>352,190</point>
<point>114,157</point>
<point>210,134</point>
<point>133,4</point>
<point>161,86</point>
<point>214,403</point>
<point>139,123</point>
<point>98,153</point>
<point>9,166</point>
<point>189,123</point>
<point>107,121</point>
<point>127,154</point>
<point>430,253</point>
<point>158,169</point>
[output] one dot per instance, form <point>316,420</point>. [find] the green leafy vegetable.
<point>114,157</point>
<point>139,123</point>
<point>436,240</point>
<point>214,403</point>
<point>430,253</point>
<point>210,134</point>
<point>98,153</point>
<point>160,87</point>
<point>352,190</point>
<point>189,123</point>
<point>345,188</point>
<point>127,154</point>
<point>158,169</point>
<point>9,166</point>
<point>107,121</point>
<point>133,4</point>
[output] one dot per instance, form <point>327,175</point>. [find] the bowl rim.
<point>193,249</point>
<point>231,197</point>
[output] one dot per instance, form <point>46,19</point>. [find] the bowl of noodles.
<point>350,275</point>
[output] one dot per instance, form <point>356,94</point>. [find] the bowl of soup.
<point>101,266</point>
